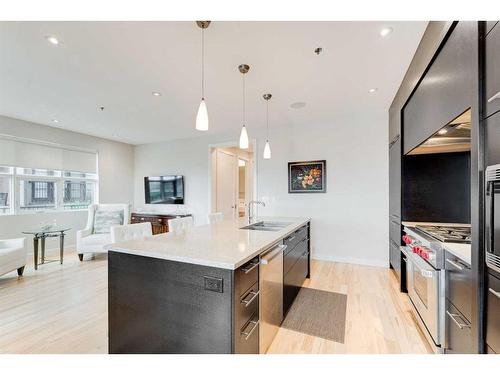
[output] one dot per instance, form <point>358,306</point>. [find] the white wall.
<point>349,222</point>
<point>116,161</point>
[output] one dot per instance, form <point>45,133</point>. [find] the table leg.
<point>61,247</point>
<point>35,248</point>
<point>43,249</point>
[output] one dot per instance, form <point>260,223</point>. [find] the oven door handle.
<point>424,271</point>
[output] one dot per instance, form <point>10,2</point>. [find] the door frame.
<point>211,156</point>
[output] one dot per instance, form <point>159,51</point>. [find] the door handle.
<point>247,335</point>
<point>496,96</point>
<point>247,270</point>
<point>246,301</point>
<point>494,292</point>
<point>453,317</point>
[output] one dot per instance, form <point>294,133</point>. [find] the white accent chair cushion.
<point>89,242</point>
<point>180,224</point>
<point>13,255</point>
<point>131,232</point>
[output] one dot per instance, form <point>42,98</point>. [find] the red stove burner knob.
<point>425,255</point>
<point>416,249</point>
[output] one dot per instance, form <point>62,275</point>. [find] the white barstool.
<point>216,217</point>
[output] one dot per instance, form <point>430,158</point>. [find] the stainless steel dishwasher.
<point>271,295</point>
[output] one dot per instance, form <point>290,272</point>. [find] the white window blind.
<point>27,153</point>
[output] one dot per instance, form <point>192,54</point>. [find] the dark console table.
<point>159,222</point>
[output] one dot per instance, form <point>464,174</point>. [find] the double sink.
<point>269,226</point>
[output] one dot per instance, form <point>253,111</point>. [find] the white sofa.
<point>13,255</point>
<point>88,242</point>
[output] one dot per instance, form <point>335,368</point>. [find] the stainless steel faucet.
<point>250,214</point>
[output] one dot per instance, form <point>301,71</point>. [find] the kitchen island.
<point>198,291</point>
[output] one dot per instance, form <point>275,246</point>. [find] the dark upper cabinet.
<point>492,72</point>
<point>446,89</point>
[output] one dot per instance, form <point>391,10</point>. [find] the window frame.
<point>15,179</point>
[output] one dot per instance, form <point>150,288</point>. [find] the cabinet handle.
<point>496,96</point>
<point>455,264</point>
<point>247,335</point>
<point>453,317</point>
<point>494,292</point>
<point>405,260</point>
<point>246,301</point>
<point>247,270</point>
<point>291,238</point>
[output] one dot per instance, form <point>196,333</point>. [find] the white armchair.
<point>96,235</point>
<point>13,255</point>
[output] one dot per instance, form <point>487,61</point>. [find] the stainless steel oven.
<point>425,289</point>
<point>425,285</point>
<point>492,208</point>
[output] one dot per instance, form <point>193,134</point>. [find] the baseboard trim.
<point>362,262</point>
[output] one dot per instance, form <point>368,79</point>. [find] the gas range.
<point>427,241</point>
<point>443,233</point>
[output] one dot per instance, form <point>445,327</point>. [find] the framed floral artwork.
<point>307,177</point>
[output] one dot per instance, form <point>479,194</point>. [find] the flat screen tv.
<point>164,190</point>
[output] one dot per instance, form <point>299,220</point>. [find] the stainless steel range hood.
<point>453,137</point>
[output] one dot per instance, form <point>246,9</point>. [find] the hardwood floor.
<point>63,309</point>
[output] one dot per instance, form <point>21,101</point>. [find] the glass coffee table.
<point>40,234</point>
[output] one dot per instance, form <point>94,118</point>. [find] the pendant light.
<point>243,68</point>
<point>267,147</point>
<point>202,116</point>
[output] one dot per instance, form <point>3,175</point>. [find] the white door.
<point>226,184</point>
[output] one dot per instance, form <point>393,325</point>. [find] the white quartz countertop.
<point>222,245</point>
<point>460,250</point>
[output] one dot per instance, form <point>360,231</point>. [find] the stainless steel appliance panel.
<point>271,294</point>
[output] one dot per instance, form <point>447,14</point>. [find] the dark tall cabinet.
<point>395,204</point>
<point>491,125</point>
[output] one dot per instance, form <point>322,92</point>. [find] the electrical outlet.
<point>215,284</point>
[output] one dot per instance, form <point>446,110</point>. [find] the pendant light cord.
<point>203,64</point>
<point>267,119</point>
<point>244,114</point>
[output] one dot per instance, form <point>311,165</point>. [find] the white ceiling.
<point>119,64</point>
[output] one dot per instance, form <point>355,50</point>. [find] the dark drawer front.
<point>247,306</point>
<point>293,239</point>
<point>291,257</point>
<point>459,338</point>
<point>246,276</point>
<point>293,280</point>
<point>247,339</point>
<point>492,79</point>
<point>459,284</point>
<point>493,313</point>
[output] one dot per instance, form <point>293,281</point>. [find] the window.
<point>78,194</point>
<point>6,190</point>
<point>37,195</point>
<point>29,190</point>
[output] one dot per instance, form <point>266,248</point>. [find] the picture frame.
<point>307,177</point>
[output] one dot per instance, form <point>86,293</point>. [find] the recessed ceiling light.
<point>386,31</point>
<point>155,93</point>
<point>53,40</point>
<point>372,90</point>
<point>297,105</point>
<point>55,120</point>
<point>442,131</point>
